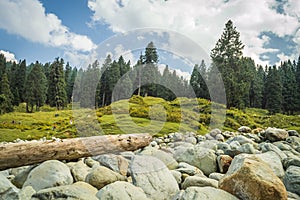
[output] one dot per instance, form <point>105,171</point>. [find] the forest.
<point>247,85</point>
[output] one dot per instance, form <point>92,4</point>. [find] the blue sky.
<point>77,30</point>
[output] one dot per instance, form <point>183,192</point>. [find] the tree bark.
<point>32,152</point>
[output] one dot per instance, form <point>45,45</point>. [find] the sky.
<point>184,32</point>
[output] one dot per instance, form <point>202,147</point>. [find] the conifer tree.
<point>273,91</point>
<point>6,97</point>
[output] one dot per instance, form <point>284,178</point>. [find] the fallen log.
<point>32,152</point>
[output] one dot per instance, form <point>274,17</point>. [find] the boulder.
<point>121,190</point>
<point>102,176</point>
<point>224,162</point>
<point>165,157</point>
<point>247,148</point>
<point>205,193</point>
<point>188,169</point>
<point>293,133</point>
<point>273,160</point>
<point>291,161</point>
<point>7,189</point>
<point>49,174</point>
<point>200,157</point>
<point>21,176</point>
<point>79,170</point>
<point>276,134</point>
<point>116,163</point>
<point>292,179</point>
<point>216,176</point>
<point>265,147</point>
<point>152,175</point>
<point>199,182</point>
<point>77,191</point>
<point>177,175</point>
<point>248,177</point>
<point>26,193</point>
<point>244,129</point>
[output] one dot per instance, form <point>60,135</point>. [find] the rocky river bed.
<point>246,164</point>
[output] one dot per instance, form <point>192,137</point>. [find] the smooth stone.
<point>49,174</point>
<point>244,129</point>
<point>191,140</point>
<point>26,193</point>
<point>291,179</point>
<point>273,160</point>
<point>276,134</point>
<point>79,170</point>
<point>205,193</point>
<point>77,191</point>
<point>248,177</point>
<point>116,163</point>
<point>188,169</point>
<point>293,133</point>
<point>102,176</point>
<point>293,196</point>
<point>121,190</point>
<point>215,132</point>
<point>200,157</point>
<point>265,147</point>
<point>152,175</point>
<point>199,182</point>
<point>21,176</point>
<point>291,162</point>
<point>247,148</point>
<point>209,144</point>
<point>177,175</point>
<point>240,139</point>
<point>216,176</point>
<point>7,189</point>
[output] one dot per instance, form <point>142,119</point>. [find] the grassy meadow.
<point>137,115</point>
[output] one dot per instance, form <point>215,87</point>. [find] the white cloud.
<point>202,20</point>
<point>27,18</point>
<point>8,55</point>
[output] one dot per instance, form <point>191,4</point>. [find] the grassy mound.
<point>136,115</point>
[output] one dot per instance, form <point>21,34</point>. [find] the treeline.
<point>275,88</point>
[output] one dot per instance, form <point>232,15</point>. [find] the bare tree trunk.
<point>27,153</point>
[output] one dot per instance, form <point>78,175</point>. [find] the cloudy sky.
<point>77,30</point>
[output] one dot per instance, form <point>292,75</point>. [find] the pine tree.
<point>13,81</point>
<point>226,56</point>
<point>289,84</point>
<point>256,88</point>
<point>57,86</point>
<point>6,97</point>
<point>35,88</point>
<point>273,91</point>
<point>103,85</point>
<point>198,81</point>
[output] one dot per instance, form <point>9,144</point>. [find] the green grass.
<point>137,115</point>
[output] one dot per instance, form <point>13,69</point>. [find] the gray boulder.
<point>77,191</point>
<point>102,176</point>
<point>273,160</point>
<point>200,157</point>
<point>26,193</point>
<point>292,179</point>
<point>291,161</point>
<point>265,147</point>
<point>188,169</point>
<point>121,190</point>
<point>177,175</point>
<point>49,174</point>
<point>21,176</point>
<point>79,170</point>
<point>216,176</point>
<point>205,193</point>
<point>276,134</point>
<point>116,163</point>
<point>7,189</point>
<point>199,182</point>
<point>244,129</point>
<point>152,175</point>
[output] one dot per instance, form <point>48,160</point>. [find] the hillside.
<point>181,115</point>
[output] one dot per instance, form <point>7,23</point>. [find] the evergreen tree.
<point>2,66</point>
<point>273,91</point>
<point>198,81</point>
<point>289,84</point>
<point>124,67</point>
<point>103,85</point>
<point>6,97</point>
<point>21,78</point>
<point>35,88</point>
<point>256,88</point>
<point>297,74</point>
<point>57,86</point>
<point>226,56</point>
<point>13,81</point>
<point>70,84</point>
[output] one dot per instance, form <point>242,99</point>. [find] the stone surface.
<point>165,157</point>
<point>79,170</point>
<point>205,193</point>
<point>224,162</point>
<point>199,182</point>
<point>249,178</point>
<point>152,175</point>
<point>177,175</point>
<point>200,157</point>
<point>116,163</point>
<point>188,169</point>
<point>26,193</point>
<point>102,176</point>
<point>49,174</point>
<point>276,134</point>
<point>244,129</point>
<point>292,179</point>
<point>21,176</point>
<point>265,147</point>
<point>216,176</point>
<point>121,190</point>
<point>273,160</point>
<point>7,189</point>
<point>77,191</point>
